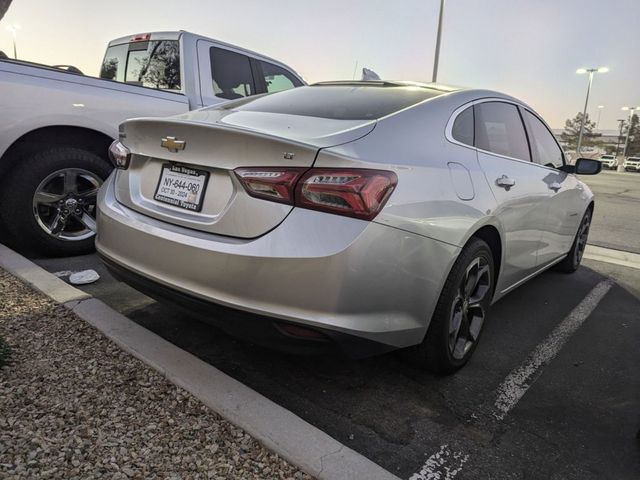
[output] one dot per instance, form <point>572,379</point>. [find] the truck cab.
<point>166,61</point>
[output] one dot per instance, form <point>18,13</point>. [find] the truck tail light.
<point>141,38</point>
<point>119,154</point>
<point>353,192</point>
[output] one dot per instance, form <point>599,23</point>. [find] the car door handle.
<point>555,186</point>
<point>505,182</point>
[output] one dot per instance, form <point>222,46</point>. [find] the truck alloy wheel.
<point>64,204</point>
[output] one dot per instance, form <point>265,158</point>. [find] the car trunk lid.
<point>197,152</point>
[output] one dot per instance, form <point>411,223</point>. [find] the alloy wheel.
<point>467,310</point>
<point>581,239</point>
<point>64,204</point>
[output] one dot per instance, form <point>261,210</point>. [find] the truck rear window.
<point>338,102</point>
<point>154,64</point>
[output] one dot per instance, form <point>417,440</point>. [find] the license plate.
<point>182,186</point>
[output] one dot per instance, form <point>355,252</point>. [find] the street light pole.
<point>436,58</point>
<point>14,29</point>
<point>621,121</point>
<point>600,107</point>
<point>626,142</point>
<point>590,71</point>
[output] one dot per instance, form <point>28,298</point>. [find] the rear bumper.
<point>327,272</point>
<point>261,330</point>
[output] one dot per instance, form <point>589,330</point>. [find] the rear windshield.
<point>339,102</point>
<point>154,64</point>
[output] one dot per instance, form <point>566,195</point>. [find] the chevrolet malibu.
<point>366,215</point>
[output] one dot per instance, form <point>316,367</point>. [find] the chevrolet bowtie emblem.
<point>173,145</point>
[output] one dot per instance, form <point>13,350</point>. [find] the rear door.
<point>565,203</point>
<point>230,74</point>
<point>271,78</point>
<point>225,74</point>
<point>517,184</point>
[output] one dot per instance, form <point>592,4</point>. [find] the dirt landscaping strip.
<point>74,405</point>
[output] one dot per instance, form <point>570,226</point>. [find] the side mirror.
<point>588,166</point>
<point>583,166</point>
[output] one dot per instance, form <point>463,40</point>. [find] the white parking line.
<point>442,465</point>
<point>520,379</point>
<point>445,464</point>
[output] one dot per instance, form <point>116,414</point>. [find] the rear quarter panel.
<point>442,193</point>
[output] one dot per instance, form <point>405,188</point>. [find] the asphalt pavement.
<point>552,392</point>
<point>616,221</point>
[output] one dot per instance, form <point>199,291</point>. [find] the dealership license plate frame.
<point>191,206</point>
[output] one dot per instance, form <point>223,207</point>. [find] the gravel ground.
<point>73,405</point>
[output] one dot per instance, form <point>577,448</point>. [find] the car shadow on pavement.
<point>386,403</point>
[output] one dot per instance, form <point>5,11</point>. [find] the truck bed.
<point>21,67</point>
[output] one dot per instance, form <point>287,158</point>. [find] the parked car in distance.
<point>369,215</point>
<point>53,152</point>
<point>609,161</point>
<point>632,164</point>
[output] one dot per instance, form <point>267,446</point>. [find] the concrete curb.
<point>609,255</point>
<point>39,278</point>
<point>278,429</point>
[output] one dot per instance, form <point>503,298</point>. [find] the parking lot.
<point>552,391</point>
<point>616,222</point>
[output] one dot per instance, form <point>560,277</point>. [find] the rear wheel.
<point>461,311</point>
<point>572,261</point>
<point>49,201</point>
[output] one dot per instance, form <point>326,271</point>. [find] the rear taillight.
<point>359,193</point>
<point>275,184</point>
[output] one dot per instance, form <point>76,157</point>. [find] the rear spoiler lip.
<point>257,133</point>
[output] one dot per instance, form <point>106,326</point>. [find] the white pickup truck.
<point>56,125</point>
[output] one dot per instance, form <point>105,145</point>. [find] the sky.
<point>527,48</point>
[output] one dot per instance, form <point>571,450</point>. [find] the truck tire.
<point>48,201</point>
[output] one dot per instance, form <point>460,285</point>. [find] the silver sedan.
<point>366,215</point>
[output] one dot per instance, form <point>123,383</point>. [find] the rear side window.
<point>277,78</point>
<point>339,102</point>
<point>463,130</point>
<point>544,148</point>
<point>231,74</point>
<point>154,64</point>
<point>499,129</point>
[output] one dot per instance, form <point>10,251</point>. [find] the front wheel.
<point>49,201</point>
<point>461,311</point>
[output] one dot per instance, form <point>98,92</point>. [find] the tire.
<point>572,261</point>
<point>444,351</point>
<point>40,224</point>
